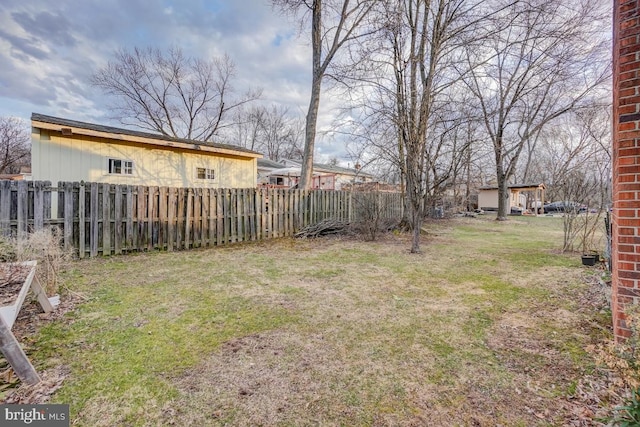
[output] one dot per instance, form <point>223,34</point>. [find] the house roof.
<point>333,169</point>
<point>266,163</point>
<point>42,121</point>
<point>514,186</point>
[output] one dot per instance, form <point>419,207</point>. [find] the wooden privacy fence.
<point>103,219</point>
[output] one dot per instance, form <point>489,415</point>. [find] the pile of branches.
<point>324,228</point>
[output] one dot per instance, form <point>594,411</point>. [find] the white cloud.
<point>50,49</point>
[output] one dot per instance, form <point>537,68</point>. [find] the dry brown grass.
<point>336,332</point>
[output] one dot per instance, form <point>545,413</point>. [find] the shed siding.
<point>488,199</point>
<point>76,158</point>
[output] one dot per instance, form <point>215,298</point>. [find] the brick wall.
<point>626,161</point>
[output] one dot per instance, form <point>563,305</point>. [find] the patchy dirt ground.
<point>278,378</point>
<point>363,334</point>
<point>30,319</point>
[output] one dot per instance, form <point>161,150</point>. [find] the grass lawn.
<point>486,327</point>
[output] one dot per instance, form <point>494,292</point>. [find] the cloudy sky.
<point>49,49</point>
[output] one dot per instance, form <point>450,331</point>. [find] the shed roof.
<point>267,163</point>
<point>42,121</point>
<point>515,187</point>
<point>333,169</point>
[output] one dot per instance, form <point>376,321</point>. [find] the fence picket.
<point>93,220</point>
<point>68,215</point>
<point>5,207</point>
<point>23,207</point>
<point>117,225</point>
<point>82,224</point>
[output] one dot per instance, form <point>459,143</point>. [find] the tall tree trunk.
<point>503,196</point>
<point>306,174</point>
<point>306,177</point>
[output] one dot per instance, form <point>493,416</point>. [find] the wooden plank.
<point>220,234</point>
<point>41,295</point>
<point>253,212</point>
<point>106,219</point>
<point>240,214</point>
<point>180,219</point>
<point>349,206</point>
<point>141,214</point>
<point>289,216</point>
<point>23,209</point>
<point>197,217</point>
<point>273,213</point>
<point>38,205</point>
<point>233,215</point>
<point>280,197</point>
<point>93,221</point>
<point>68,215</point>
<point>151,211</point>
<point>10,312</point>
<point>188,219</point>
<point>129,221</point>
<point>210,217</point>
<point>205,217</point>
<point>162,219</point>
<point>298,209</point>
<point>240,209</point>
<point>118,237</point>
<point>246,212</point>
<point>16,357</point>
<point>81,221</point>
<point>171,219</point>
<point>47,200</point>
<point>259,214</point>
<point>5,207</point>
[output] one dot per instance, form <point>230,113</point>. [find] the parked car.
<point>564,207</point>
<point>516,210</point>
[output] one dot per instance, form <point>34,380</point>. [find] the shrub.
<point>43,246</point>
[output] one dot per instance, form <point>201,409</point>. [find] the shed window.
<point>204,173</point>
<point>120,167</point>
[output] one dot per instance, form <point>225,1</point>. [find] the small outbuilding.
<point>526,196</point>
<point>69,150</point>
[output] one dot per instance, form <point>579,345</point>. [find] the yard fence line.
<point>102,219</point>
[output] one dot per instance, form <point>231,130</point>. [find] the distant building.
<point>525,196</point>
<point>326,177</point>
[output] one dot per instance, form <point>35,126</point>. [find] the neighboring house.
<point>68,150</point>
<point>265,168</point>
<point>521,195</point>
<point>329,177</point>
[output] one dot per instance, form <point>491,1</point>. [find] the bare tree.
<point>169,93</point>
<point>408,102</point>
<point>574,160</point>
<point>334,23</point>
<point>14,145</point>
<point>543,59</point>
<point>272,130</point>
<point>424,37</point>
